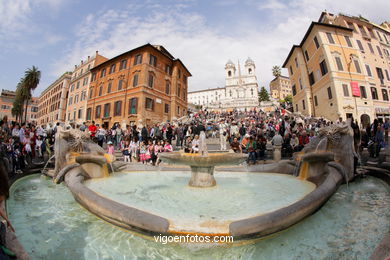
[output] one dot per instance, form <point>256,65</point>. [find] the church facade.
<point>240,91</point>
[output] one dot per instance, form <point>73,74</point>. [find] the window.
<point>379,36</point>
<point>307,56</point>
<point>363,91</point>
<point>112,68</point>
<point>296,63</point>
<point>316,42</point>
<point>78,85</point>
<point>379,72</point>
<point>166,108</point>
<point>80,112</point>
<point>100,91</point>
<point>379,50</point>
<point>357,66</point>
<point>315,101</point>
<point>109,87</point>
<point>339,64</point>
<point>103,73</point>
<point>106,110</point>
<point>385,95</point>
<point>387,75</point>
<point>311,79</point>
<point>330,38</point>
<point>371,33</point>
<point>179,74</point>
<point>345,90</point>
<point>137,59</point>
<point>374,93</point>
<point>168,69</point>
<point>133,106</point>
<point>348,40</point>
<point>70,101</point>
<point>74,115</point>
<point>350,25</point>
<point>300,83</point>
<point>98,111</point>
<point>323,67</point>
<point>149,103</point>
<point>167,88</point>
<point>370,47</point>
<point>90,93</point>
<point>330,93</point>
<point>291,71</point>
<point>76,99</point>
<point>150,81</point>
<point>296,107</point>
<point>85,82</point>
<point>178,90</point>
<point>123,65</point>
<point>362,31</point>
<point>89,112</point>
<point>359,43</point>
<point>135,80</point>
<point>72,88</point>
<point>120,82</point>
<point>303,104</point>
<point>178,110</point>
<point>294,90</point>
<point>118,108</point>
<point>152,60</point>
<point>93,77</point>
<point>368,70</point>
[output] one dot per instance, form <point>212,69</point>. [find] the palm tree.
<point>17,106</point>
<point>31,80</point>
<point>276,71</point>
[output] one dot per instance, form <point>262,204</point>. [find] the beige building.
<point>79,87</point>
<point>7,98</point>
<point>334,72</point>
<point>280,87</point>
<point>52,101</point>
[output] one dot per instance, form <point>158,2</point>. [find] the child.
<point>110,148</point>
<point>38,146</point>
<point>126,151</point>
<point>133,148</point>
<point>142,152</point>
<point>150,152</point>
<point>168,147</point>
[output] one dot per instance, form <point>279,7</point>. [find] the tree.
<point>276,71</point>
<point>288,99</point>
<point>30,82</point>
<point>263,95</point>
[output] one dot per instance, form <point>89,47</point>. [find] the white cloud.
<point>205,48</point>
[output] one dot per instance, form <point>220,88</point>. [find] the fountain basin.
<point>202,167</point>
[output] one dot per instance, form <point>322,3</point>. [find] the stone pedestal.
<point>277,153</point>
<point>202,177</point>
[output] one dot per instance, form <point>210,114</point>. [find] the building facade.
<point>333,77</point>
<point>7,98</point>
<point>240,91</point>
<point>146,85</point>
<point>78,90</point>
<point>280,87</point>
<point>53,101</point>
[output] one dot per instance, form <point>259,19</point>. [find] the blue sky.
<point>57,34</point>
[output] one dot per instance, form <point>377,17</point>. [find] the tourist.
<point>110,148</point>
<point>142,152</point>
<point>100,135</point>
<point>251,149</point>
<point>92,130</point>
<point>244,142</point>
<point>236,146</point>
<point>386,126</point>
<point>167,146</point>
<point>195,144</point>
<point>134,144</point>
<point>38,146</point>
<point>126,151</point>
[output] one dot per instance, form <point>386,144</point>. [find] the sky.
<point>55,35</point>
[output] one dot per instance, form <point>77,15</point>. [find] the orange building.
<point>52,101</point>
<point>145,85</point>
<point>7,98</point>
<point>280,87</point>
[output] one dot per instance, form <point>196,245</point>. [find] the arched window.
<point>252,92</point>
<point>249,71</point>
<point>230,92</point>
<point>229,73</point>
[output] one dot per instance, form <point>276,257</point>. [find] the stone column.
<point>277,153</point>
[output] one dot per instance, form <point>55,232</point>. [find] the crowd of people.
<point>253,132</point>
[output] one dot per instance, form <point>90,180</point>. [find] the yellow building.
<point>280,87</point>
<point>332,77</point>
<point>79,87</point>
<point>52,101</point>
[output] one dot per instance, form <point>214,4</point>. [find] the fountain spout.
<point>202,144</point>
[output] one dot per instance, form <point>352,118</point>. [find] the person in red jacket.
<point>92,129</point>
<point>303,140</point>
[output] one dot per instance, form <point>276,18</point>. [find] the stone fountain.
<point>203,163</point>
<point>323,165</point>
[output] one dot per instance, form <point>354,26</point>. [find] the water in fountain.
<point>202,144</point>
<point>48,161</point>
<point>322,145</point>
